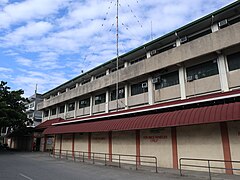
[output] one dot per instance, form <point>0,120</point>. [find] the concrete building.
<point>178,97</point>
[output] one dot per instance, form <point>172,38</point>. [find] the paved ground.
<point>39,166</point>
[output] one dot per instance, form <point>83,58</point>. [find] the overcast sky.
<point>48,42</point>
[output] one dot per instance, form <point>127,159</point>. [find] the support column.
<point>222,73</point>
<point>148,54</point>
<point>107,102</point>
<point>174,147</point>
<point>76,108</point>
<point>126,96</point>
<point>54,144</point>
<point>73,144</point>
<point>61,145</point>
<point>89,145</point>
<point>65,111</point>
<point>150,91</point>
<point>215,27</point>
<point>226,147</point>
<point>110,145</point>
<point>45,143</point>
<point>181,72</point>
<point>138,147</point>
<point>91,105</point>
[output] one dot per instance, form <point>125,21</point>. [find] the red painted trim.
<point>61,137</point>
<point>174,147</point>
<point>226,147</point>
<point>73,143</point>
<point>89,145</point>
<point>110,145</point>
<point>138,146</point>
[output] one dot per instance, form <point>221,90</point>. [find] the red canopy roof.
<point>201,115</point>
<point>48,123</point>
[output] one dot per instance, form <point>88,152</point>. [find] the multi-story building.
<point>178,96</point>
<point>31,109</point>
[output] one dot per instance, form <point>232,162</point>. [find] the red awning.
<point>48,123</point>
<point>201,115</point>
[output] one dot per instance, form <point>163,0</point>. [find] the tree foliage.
<point>12,108</point>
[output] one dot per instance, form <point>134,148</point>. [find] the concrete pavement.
<point>39,166</point>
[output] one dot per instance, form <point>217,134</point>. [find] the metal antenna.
<point>117,56</point>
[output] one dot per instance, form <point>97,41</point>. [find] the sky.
<point>48,42</point>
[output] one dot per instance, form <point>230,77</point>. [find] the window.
<point>121,94</point>
<point>46,113</point>
<point>100,75</point>
<point>84,103</point>
<point>138,59</point>
<point>139,88</point>
<point>119,67</point>
<point>71,106</point>
<point>61,109</point>
<point>100,99</point>
<point>86,81</point>
<point>31,105</point>
<point>233,61</point>
<point>54,111</point>
<point>167,80</point>
<point>202,70</point>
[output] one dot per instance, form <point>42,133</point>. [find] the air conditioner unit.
<point>153,52</point>
<point>190,78</point>
<point>144,85</point>
<point>120,91</point>
<point>83,102</point>
<point>223,23</point>
<point>156,80</point>
<point>183,39</point>
<point>98,98</point>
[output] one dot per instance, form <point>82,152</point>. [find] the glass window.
<point>138,59</point>
<point>46,113</point>
<point>61,109</point>
<point>121,94</point>
<point>71,106</point>
<point>54,111</point>
<point>233,61</point>
<point>100,99</point>
<point>139,88</point>
<point>84,103</point>
<point>167,80</point>
<point>202,70</point>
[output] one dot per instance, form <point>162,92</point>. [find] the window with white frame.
<point>233,61</point>
<point>202,70</point>
<point>139,88</point>
<point>84,103</point>
<point>101,98</point>
<point>167,80</point>
<point>71,106</point>
<point>121,94</point>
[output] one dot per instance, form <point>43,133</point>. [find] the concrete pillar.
<point>57,111</point>
<point>59,93</point>
<point>77,84</point>
<point>65,111</point>
<point>126,95</point>
<point>67,89</point>
<point>75,110</point>
<point>91,105</point>
<point>148,54</point>
<point>221,61</point>
<point>215,27</point>
<point>150,91</point>
<point>107,101</point>
<point>178,43</point>
<point>181,72</point>
<point>107,71</point>
<point>126,64</point>
<point>92,78</point>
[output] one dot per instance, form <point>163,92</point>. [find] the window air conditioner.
<point>120,91</point>
<point>183,39</point>
<point>83,102</point>
<point>156,80</point>
<point>153,52</point>
<point>144,85</point>
<point>98,98</point>
<point>223,23</point>
<point>190,78</point>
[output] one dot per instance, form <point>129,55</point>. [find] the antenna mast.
<point>117,56</point>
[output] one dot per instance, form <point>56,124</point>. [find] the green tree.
<point>12,108</point>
